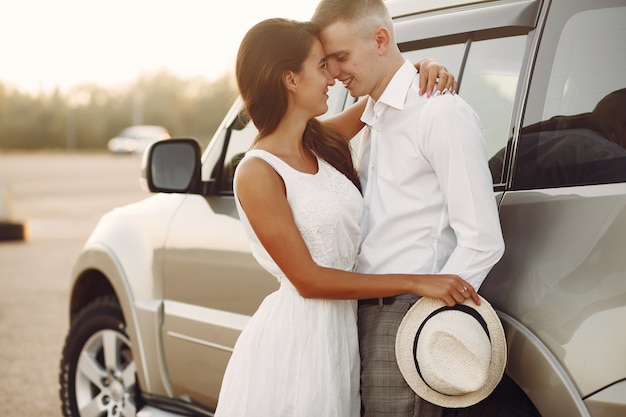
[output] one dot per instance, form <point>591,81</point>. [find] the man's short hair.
<point>367,15</point>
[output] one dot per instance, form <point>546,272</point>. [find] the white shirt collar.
<point>393,96</point>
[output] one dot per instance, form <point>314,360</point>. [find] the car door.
<point>563,276</point>
<point>212,284</point>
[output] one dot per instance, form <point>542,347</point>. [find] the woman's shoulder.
<point>258,169</point>
<point>254,163</point>
<point>259,155</point>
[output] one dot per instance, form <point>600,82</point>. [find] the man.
<point>429,204</point>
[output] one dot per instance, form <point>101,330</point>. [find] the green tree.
<point>88,115</point>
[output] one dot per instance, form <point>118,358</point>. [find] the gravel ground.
<point>59,198</point>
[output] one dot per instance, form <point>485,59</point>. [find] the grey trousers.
<point>384,392</point>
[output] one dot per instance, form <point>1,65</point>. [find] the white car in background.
<point>136,139</point>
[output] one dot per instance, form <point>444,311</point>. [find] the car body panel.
<point>608,402</point>
<point>567,291</point>
<point>539,373</point>
<point>215,272</point>
<point>208,267</point>
<point>198,343</point>
<point>122,248</point>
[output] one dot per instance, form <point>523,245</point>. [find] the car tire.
<point>97,370</point>
<point>507,400</point>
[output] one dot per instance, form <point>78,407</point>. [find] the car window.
<point>580,137</point>
<point>449,55</point>
<point>240,136</point>
<point>488,83</point>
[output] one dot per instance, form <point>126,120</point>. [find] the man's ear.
<point>290,79</point>
<point>383,39</point>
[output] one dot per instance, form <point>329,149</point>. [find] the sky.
<point>46,44</point>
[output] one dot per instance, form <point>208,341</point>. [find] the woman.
<point>298,198</point>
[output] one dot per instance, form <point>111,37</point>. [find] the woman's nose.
<point>333,69</point>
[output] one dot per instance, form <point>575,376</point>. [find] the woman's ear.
<point>290,79</point>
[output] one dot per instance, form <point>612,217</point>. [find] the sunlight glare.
<point>63,43</point>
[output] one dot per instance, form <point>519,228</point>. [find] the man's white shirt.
<point>429,202</point>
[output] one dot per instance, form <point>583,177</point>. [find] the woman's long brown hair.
<point>267,51</point>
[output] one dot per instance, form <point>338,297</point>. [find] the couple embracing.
<point>414,216</point>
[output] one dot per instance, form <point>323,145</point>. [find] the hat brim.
<point>404,353</point>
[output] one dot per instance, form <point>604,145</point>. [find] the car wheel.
<point>507,400</point>
<point>97,375</point>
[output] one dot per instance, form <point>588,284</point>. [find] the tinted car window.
<point>240,138</point>
<point>581,136</point>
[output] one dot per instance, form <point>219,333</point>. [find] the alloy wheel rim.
<point>106,376</point>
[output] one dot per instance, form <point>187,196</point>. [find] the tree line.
<point>87,116</point>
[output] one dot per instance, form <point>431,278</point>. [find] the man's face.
<point>351,56</point>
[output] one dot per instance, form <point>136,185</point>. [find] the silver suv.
<point>163,287</point>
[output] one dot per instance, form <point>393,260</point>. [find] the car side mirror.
<point>172,166</point>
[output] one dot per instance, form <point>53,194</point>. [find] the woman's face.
<point>313,82</point>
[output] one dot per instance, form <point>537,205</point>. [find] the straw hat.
<point>451,356</point>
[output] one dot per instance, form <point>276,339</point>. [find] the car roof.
<point>430,19</point>
<point>399,8</point>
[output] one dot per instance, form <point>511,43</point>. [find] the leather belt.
<point>377,301</point>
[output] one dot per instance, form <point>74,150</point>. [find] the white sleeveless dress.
<point>299,357</point>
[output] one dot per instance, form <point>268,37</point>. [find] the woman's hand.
<point>432,72</point>
<point>451,289</point>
